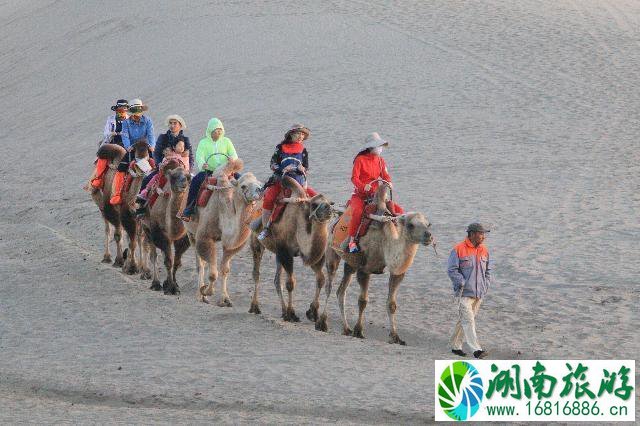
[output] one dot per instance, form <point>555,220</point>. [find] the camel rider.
<point>214,150</point>
<point>111,134</point>
<point>290,159</point>
<point>175,133</point>
<point>367,167</point>
<point>133,128</point>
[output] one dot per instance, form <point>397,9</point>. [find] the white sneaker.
<point>263,234</point>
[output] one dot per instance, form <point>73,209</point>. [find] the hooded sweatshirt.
<point>211,151</point>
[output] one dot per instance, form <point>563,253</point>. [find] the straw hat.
<point>137,103</point>
<point>298,128</point>
<point>176,117</point>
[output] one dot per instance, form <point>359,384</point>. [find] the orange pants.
<point>272,192</point>
<point>101,168</point>
<point>357,208</point>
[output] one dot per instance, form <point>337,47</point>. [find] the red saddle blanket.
<point>205,193</point>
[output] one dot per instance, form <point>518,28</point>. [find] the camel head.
<point>141,148</point>
<point>178,177</point>
<point>320,207</point>
<point>249,186</point>
<point>416,228</point>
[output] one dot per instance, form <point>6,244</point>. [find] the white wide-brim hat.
<point>137,103</point>
<point>373,140</point>
<point>177,118</point>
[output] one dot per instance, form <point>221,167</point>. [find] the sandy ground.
<point>519,114</point>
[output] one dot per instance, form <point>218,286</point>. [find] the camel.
<point>162,229</point>
<point>225,219</point>
<point>110,214</point>
<point>389,244</point>
<point>127,212</point>
<point>301,231</point>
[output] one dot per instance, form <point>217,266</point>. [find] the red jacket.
<point>367,167</point>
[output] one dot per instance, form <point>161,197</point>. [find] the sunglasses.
<point>135,110</point>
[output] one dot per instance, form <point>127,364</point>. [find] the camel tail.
<point>111,152</point>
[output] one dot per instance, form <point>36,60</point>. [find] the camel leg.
<point>286,261</point>
<point>257,251</point>
<point>117,236</point>
<point>107,239</point>
<point>277,282</point>
<point>153,256</point>
<point>199,269</point>
<point>131,228</point>
<point>169,286</point>
<point>206,249</point>
<point>394,284</point>
<point>312,313</point>
<point>342,293</point>
<point>225,267</point>
<point>363,299</point>
<point>332,260</point>
<point>144,256</point>
<point>179,248</point>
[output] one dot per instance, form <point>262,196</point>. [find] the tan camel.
<point>127,212</point>
<point>301,231</point>
<point>110,214</point>
<point>391,245</point>
<point>225,219</point>
<point>163,230</point>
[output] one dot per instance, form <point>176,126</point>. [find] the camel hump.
<point>111,152</point>
<point>296,189</point>
<point>234,165</point>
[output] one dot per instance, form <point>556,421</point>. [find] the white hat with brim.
<point>137,103</point>
<point>177,118</point>
<point>373,140</point>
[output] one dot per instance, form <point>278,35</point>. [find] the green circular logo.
<point>460,390</point>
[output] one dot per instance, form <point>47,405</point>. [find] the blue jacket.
<point>470,267</point>
<point>132,131</point>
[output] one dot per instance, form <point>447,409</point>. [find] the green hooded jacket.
<point>211,152</point>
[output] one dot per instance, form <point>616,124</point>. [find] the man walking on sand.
<point>470,272</point>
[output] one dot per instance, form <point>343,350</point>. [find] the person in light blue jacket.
<point>470,272</point>
<point>137,126</point>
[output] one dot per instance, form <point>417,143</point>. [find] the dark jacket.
<point>166,140</point>
<point>277,165</point>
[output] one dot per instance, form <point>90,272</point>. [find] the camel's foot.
<point>358,331</point>
<point>106,258</point>
<point>207,290</point>
<point>312,313</point>
<point>155,285</point>
<point>200,295</point>
<point>130,269</point>
<point>170,288</point>
<point>321,323</point>
<point>346,331</point>
<point>118,262</point>
<point>394,338</point>
<point>290,316</point>
<point>146,275</point>
<point>225,302</point>
<point>254,309</point>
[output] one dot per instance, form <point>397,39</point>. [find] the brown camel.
<point>110,214</point>
<point>390,244</point>
<point>226,219</point>
<point>301,231</point>
<point>163,230</point>
<point>127,212</point>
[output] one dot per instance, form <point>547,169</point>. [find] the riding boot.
<point>266,221</point>
<point>118,184</point>
<point>97,178</point>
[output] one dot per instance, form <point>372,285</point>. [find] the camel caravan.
<point>147,188</point>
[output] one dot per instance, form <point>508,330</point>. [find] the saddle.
<point>205,193</point>
<point>133,167</point>
<point>340,228</point>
